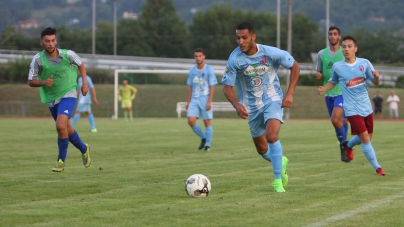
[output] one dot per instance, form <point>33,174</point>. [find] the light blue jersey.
<point>201,80</point>
<point>354,80</point>
<point>256,76</point>
<point>85,99</point>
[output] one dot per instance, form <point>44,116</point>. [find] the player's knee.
<point>272,137</point>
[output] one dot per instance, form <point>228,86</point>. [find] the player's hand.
<point>49,81</point>
<point>376,74</point>
<point>320,90</point>
<point>241,111</point>
<point>208,105</point>
<point>95,101</point>
<point>187,105</point>
<point>287,101</point>
<point>319,75</point>
<point>84,89</point>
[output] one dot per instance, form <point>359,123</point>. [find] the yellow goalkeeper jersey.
<point>127,92</point>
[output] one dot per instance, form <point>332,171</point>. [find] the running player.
<point>253,68</point>
<point>354,75</point>
<point>54,71</point>
<point>333,97</point>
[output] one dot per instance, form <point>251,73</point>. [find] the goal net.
<point>119,72</point>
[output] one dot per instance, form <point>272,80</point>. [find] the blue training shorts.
<point>65,106</point>
<point>197,108</point>
<point>334,102</point>
<point>258,119</point>
<point>83,107</point>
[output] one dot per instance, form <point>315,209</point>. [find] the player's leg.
<point>61,112</point>
<point>125,109</point>
<point>367,148</point>
<point>207,116</point>
<point>90,117</point>
<point>76,117</point>
<point>84,149</point>
<point>193,113</point>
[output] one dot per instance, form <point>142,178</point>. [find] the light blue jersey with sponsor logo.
<point>201,80</point>
<point>85,99</point>
<point>354,80</point>
<point>256,76</point>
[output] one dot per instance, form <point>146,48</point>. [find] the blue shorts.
<point>65,106</point>
<point>334,102</point>
<point>258,119</point>
<point>197,108</point>
<point>83,107</point>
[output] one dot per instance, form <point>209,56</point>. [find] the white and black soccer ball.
<point>198,185</point>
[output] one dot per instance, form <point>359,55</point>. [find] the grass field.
<point>139,170</point>
<point>159,100</point>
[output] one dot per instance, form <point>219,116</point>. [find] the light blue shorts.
<point>258,119</point>
<point>83,107</point>
<point>197,108</point>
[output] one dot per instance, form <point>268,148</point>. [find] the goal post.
<point>145,71</point>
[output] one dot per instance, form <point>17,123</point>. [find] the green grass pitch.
<point>139,169</point>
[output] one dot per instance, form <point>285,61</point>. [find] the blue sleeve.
<point>189,81</point>
<point>334,75</point>
<point>212,77</point>
<point>368,72</point>
<point>230,73</point>
<point>90,82</point>
<point>285,59</point>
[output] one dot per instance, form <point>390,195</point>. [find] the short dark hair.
<point>348,37</point>
<point>336,28</point>
<point>245,25</point>
<point>48,31</point>
<point>199,50</point>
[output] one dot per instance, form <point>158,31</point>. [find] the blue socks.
<point>208,135</point>
<point>76,141</point>
<point>274,155</point>
<point>75,119</point>
<point>346,126</point>
<point>354,141</point>
<point>341,134</point>
<point>370,154</point>
<point>91,120</point>
<point>62,145</point>
<point>198,130</point>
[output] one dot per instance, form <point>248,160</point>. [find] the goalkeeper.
<point>126,94</point>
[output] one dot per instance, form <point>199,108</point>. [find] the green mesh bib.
<point>64,78</point>
<point>327,70</point>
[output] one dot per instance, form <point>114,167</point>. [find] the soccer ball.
<point>198,185</point>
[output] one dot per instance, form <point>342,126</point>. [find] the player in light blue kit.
<point>201,82</point>
<point>354,75</point>
<point>84,104</point>
<point>253,68</point>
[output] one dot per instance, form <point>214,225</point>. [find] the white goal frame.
<point>150,71</point>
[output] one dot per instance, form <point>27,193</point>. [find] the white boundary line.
<point>354,212</point>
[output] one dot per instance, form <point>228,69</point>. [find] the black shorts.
<point>378,110</point>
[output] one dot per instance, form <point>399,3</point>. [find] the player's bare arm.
<point>321,90</point>
<point>376,74</point>
<point>294,77</point>
<point>319,75</point>
<point>39,83</point>
<point>84,87</point>
<point>189,97</point>
<point>211,92</point>
<point>240,109</point>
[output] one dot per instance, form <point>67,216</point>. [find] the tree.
<point>164,31</point>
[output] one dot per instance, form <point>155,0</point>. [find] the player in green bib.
<point>333,98</point>
<point>54,71</point>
